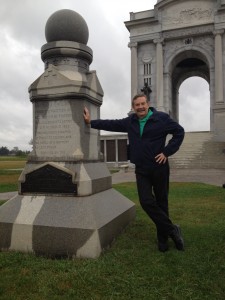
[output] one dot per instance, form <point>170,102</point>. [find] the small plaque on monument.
<point>49,180</point>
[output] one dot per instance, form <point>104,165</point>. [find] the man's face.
<point>140,107</point>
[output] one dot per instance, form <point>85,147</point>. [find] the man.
<point>147,130</point>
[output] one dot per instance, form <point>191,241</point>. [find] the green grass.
<point>133,268</point>
<point>10,170</point>
<point>13,158</point>
<point>8,187</point>
<point>112,171</point>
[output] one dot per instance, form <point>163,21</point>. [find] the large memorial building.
<point>172,42</point>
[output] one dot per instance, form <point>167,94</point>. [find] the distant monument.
<point>177,40</point>
<point>66,205</point>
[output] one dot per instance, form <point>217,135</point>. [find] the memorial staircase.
<point>198,151</point>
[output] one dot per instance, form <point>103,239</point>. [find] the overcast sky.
<point>22,33</point>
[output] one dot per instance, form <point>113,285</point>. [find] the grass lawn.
<point>10,170</point>
<point>13,158</point>
<point>133,268</point>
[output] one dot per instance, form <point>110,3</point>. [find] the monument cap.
<point>66,25</point>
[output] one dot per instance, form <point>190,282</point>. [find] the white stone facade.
<point>174,41</point>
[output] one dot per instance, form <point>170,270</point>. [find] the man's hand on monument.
<point>87,118</point>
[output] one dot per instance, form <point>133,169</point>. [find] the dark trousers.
<point>153,188</point>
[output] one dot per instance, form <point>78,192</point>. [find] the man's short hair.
<point>138,96</point>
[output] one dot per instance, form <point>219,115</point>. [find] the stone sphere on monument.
<point>66,25</point>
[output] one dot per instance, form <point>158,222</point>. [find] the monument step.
<point>199,150</point>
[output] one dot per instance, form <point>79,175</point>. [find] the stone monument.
<point>65,205</point>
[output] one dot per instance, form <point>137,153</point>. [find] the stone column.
<point>134,75</point>
<point>218,66</point>
<point>159,73</point>
<point>105,151</point>
<point>116,149</point>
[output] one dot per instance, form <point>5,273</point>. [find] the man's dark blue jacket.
<point>143,149</point>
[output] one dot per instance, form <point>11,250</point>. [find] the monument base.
<point>64,226</point>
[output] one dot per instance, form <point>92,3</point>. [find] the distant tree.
<point>4,151</point>
<point>20,153</point>
<point>15,149</point>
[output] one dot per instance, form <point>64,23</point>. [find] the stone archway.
<point>184,65</point>
<point>177,40</point>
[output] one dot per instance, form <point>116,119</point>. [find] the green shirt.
<point>143,121</point>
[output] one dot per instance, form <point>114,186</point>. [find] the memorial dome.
<point>66,25</point>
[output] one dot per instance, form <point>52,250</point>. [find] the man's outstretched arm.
<point>108,125</point>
